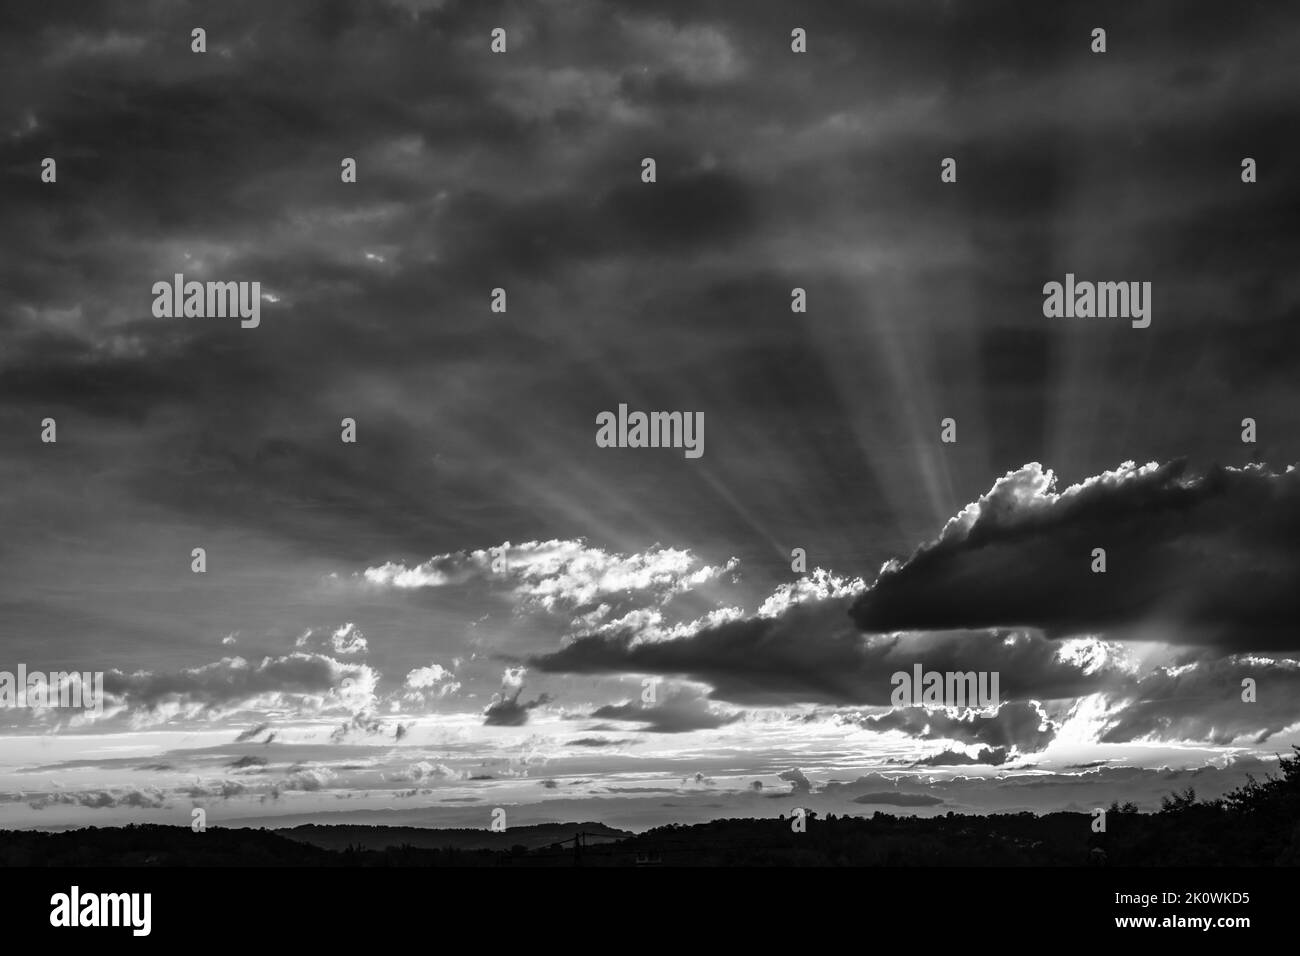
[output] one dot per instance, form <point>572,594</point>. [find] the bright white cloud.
<point>560,575</point>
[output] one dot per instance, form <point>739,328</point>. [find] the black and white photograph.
<point>490,435</point>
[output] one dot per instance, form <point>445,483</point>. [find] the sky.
<point>474,605</point>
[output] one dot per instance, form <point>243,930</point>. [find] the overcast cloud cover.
<point>352,645</point>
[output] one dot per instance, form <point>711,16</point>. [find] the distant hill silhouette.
<point>1256,825</point>
<point>532,837</point>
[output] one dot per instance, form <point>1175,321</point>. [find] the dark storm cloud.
<point>251,732</point>
<point>799,783</point>
<point>232,680</point>
<point>894,799</point>
<point>597,742</point>
<point>686,208</point>
<point>994,756</point>
<point>305,684</point>
<point>479,170</point>
<point>509,712</point>
<point>361,724</point>
<point>1190,558</point>
<point>182,152</point>
<point>812,653</point>
<point>1206,700</point>
<point>1022,726</point>
<point>678,711</point>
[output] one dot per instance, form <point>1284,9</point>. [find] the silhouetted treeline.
<point>1257,824</point>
